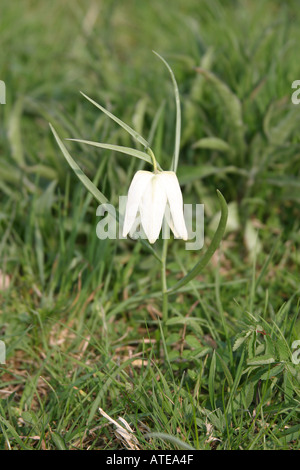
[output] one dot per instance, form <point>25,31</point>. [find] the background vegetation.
<point>80,316</point>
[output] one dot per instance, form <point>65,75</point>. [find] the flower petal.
<point>135,193</point>
<point>170,183</point>
<point>152,208</point>
<point>169,220</point>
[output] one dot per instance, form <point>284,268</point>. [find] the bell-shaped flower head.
<point>151,194</point>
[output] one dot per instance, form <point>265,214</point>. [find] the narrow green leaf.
<point>138,118</point>
<point>181,320</point>
<point>169,438</point>
<point>127,128</point>
<point>270,346</point>
<point>226,370</point>
<point>213,143</point>
<point>287,386</point>
<point>238,375</point>
<point>272,372</point>
<point>77,170</point>
<point>283,349</point>
<point>187,174</point>
<point>261,360</point>
<point>14,132</point>
<point>251,345</point>
<point>248,391</point>
<point>40,252</point>
<point>58,441</point>
<point>118,148</point>
<point>211,381</point>
<point>210,250</point>
<point>291,433</point>
<point>178,115</point>
<point>240,339</point>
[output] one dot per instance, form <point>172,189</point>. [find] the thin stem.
<point>154,162</point>
<point>164,282</point>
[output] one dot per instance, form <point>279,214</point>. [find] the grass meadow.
<point>91,362</point>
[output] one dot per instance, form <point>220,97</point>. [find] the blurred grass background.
<point>74,308</point>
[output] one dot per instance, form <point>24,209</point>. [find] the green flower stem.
<point>164,283</point>
<point>154,162</point>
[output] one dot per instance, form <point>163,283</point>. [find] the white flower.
<point>151,194</point>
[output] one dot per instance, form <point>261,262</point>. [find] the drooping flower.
<point>151,194</point>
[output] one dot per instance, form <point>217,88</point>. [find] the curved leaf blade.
<point>118,148</point>
<point>210,250</point>
<point>127,128</point>
<point>178,115</point>
<point>78,171</point>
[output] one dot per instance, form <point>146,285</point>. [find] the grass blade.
<point>77,170</point>
<point>178,115</point>
<point>211,381</point>
<point>172,439</point>
<point>127,128</point>
<point>118,148</point>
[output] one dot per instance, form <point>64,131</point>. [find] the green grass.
<point>81,317</point>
